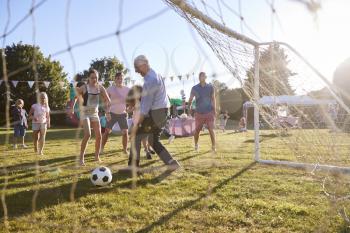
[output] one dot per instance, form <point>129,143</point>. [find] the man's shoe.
<point>173,165</point>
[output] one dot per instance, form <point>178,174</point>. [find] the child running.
<point>133,101</point>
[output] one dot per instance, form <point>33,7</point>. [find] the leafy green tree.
<point>274,73</point>
<point>219,86</point>
<point>107,67</point>
<point>341,80</point>
<point>323,93</point>
<point>19,63</point>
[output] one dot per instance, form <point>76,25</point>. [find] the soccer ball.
<point>101,176</point>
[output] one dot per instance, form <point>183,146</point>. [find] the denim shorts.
<point>120,118</point>
<point>19,130</point>
<point>38,126</point>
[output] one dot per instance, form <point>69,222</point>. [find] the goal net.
<point>290,95</point>
<point>295,111</point>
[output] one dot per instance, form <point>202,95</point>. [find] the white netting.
<point>297,105</point>
<point>300,119</point>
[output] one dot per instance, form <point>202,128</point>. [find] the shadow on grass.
<point>20,203</point>
<point>52,134</point>
<point>190,203</point>
<point>32,174</point>
<point>57,161</point>
<point>344,228</point>
<point>193,156</point>
<point>265,137</point>
<point>23,167</point>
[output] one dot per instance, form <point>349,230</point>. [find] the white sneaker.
<point>196,148</point>
<point>24,146</point>
<point>171,139</point>
<point>14,146</point>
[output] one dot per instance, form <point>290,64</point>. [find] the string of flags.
<point>31,83</point>
<point>62,83</point>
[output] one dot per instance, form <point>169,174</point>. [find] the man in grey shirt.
<point>153,115</point>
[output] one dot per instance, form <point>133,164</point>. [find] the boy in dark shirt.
<point>19,118</point>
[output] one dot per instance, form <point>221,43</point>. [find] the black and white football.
<point>101,176</point>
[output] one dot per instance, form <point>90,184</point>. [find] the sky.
<point>171,44</point>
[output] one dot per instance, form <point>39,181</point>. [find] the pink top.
<point>118,97</point>
<point>40,112</point>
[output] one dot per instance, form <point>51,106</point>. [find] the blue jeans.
<point>152,127</point>
<point>19,130</point>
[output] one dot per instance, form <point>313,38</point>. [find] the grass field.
<point>226,192</point>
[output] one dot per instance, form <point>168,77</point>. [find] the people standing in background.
<point>20,124</point>
<point>223,120</point>
<point>40,115</point>
<point>242,125</point>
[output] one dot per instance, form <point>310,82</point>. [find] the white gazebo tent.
<point>291,100</point>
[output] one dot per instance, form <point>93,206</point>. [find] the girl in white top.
<point>89,98</point>
<point>40,115</point>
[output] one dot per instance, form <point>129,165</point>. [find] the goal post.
<point>239,53</point>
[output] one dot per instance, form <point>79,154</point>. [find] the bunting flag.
<point>111,83</point>
<point>180,76</point>
<point>47,84</point>
<point>30,83</point>
<point>187,76</point>
<point>171,78</point>
<point>14,83</point>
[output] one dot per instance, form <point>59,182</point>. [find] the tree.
<point>323,93</point>
<point>341,80</point>
<point>274,73</point>
<point>107,67</point>
<point>19,59</point>
<point>229,99</point>
<point>232,100</point>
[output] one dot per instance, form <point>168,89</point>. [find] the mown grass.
<point>226,192</point>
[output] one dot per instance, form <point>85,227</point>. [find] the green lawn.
<point>226,192</point>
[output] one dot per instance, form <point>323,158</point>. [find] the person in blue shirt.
<point>204,94</point>
<point>20,124</point>
<point>153,115</point>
